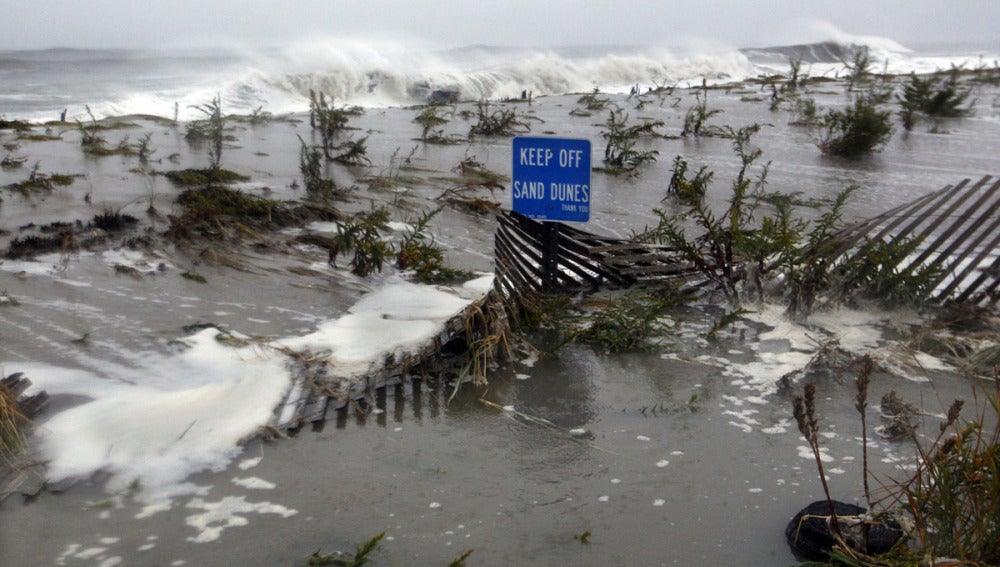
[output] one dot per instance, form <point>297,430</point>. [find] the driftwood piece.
<point>29,406</point>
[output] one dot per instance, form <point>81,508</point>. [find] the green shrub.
<point>698,115</point>
<point>212,128</point>
<point>418,252</point>
<point>428,118</point>
<point>328,120</point>
<point>318,185</point>
<point>858,130</point>
<point>363,237</point>
<point>933,97</point>
<point>628,322</point>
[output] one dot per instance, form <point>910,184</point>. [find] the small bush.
<point>328,120</point>
<point>212,128</point>
<point>28,246</point>
<point>593,101</point>
<point>859,68</point>
<point>203,177</point>
<point>353,152</point>
<point>18,125</point>
<point>38,181</point>
<point>318,185</point>
<point>418,252</point>
<point>629,322</point>
<point>698,115</point>
<point>875,273</point>
<point>363,236</point>
<point>428,118</point>
<point>112,221</point>
<point>806,113</point>
<point>932,97</point>
<point>856,131</point>
<point>210,202</point>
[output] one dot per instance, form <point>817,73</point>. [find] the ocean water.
<point>685,454</point>
<point>39,85</point>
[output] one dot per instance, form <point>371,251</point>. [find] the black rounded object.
<point>810,539</point>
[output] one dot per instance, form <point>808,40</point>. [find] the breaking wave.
<point>380,74</point>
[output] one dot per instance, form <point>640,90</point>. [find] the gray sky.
<point>32,24</point>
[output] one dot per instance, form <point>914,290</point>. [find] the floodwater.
<point>683,454</point>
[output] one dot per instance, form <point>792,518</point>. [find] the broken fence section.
<point>586,260</point>
<point>463,349</point>
<point>957,231</point>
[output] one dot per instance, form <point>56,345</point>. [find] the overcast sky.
<point>33,24</point>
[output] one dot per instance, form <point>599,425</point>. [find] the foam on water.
<point>173,415</point>
<point>785,347</point>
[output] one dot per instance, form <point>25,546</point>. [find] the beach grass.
<point>12,423</point>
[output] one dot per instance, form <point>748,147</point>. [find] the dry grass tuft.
<point>12,423</point>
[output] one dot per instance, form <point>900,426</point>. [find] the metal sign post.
<point>551,182</point>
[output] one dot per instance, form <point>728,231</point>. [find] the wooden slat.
<point>946,234</point>
<point>970,239</point>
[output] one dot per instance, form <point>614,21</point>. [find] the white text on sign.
<point>542,157</point>
<point>556,191</point>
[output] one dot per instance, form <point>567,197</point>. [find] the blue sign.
<point>551,179</point>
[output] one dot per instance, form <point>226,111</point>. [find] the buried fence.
<point>955,232</point>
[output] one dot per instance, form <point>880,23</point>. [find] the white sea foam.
<point>187,414</point>
<point>174,415</point>
<point>229,512</point>
<point>787,346</point>
<point>254,483</point>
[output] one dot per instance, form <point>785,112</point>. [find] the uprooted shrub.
<point>223,213</point>
<point>500,122</point>
<point>32,245</point>
<point>620,154</point>
<point>111,220</point>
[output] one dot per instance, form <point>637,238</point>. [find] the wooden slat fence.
<point>957,229</point>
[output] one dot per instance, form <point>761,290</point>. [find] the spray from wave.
<point>380,73</point>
